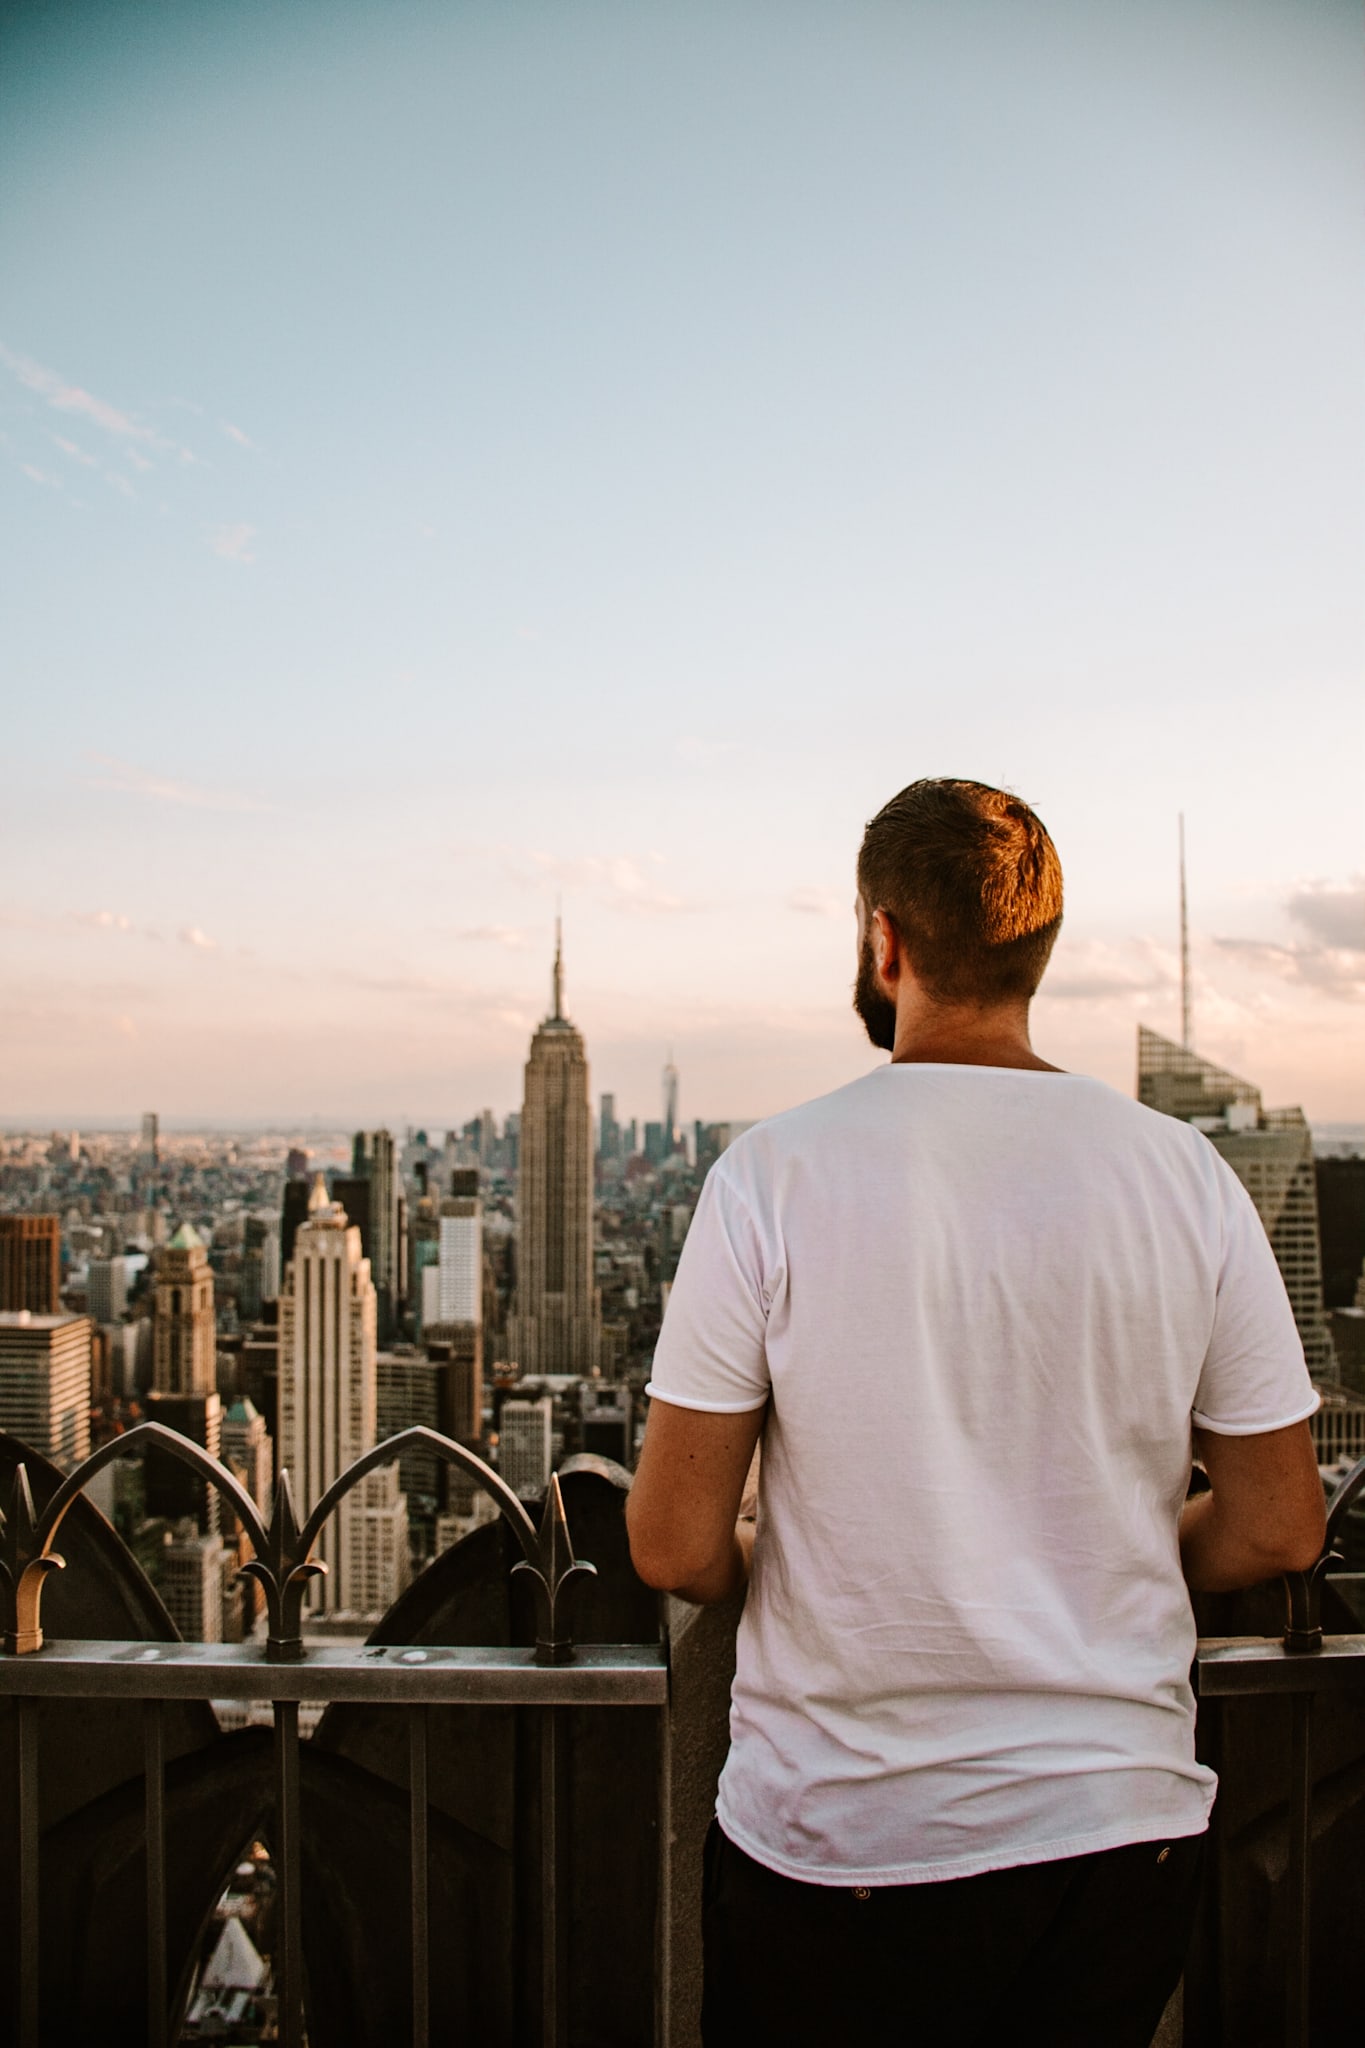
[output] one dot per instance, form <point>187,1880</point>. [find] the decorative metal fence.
<point>1308,1667</point>
<point>552,1677</point>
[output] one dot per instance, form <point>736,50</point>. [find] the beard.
<point>878,1012</point>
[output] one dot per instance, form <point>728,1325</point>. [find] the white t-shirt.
<point>984,1304</point>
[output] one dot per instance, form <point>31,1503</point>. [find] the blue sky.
<point>461,456</point>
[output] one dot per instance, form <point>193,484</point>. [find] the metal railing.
<point>553,1676</point>
<point>1305,1665</point>
<point>550,1677</point>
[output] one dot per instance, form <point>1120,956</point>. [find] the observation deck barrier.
<point>493,1834</point>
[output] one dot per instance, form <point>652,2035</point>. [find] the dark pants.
<point>1078,1954</point>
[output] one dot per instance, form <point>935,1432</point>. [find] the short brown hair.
<point>972,883</point>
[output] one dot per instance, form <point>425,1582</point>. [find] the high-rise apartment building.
<point>525,1444</point>
<point>45,1383</point>
<point>31,1264</point>
<point>327,1411</point>
<point>106,1289</point>
<point>149,1145</point>
<point>1270,1151</point>
<point>608,1130</point>
<point>556,1326</point>
<point>460,1253</point>
<point>184,1340</point>
<point>374,1158</point>
<point>248,1451</point>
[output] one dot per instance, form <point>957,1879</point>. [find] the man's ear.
<point>886,949</point>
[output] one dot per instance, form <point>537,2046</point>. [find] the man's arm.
<point>1264,1514</point>
<point>682,1507</point>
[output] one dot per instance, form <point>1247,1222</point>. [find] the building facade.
<point>374,1158</point>
<point>526,1444</point>
<point>1270,1151</point>
<point>328,1417</point>
<point>555,1328</point>
<point>45,1383</point>
<point>31,1264</point>
<point>184,1340</point>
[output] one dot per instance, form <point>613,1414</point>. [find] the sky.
<point>462,458</point>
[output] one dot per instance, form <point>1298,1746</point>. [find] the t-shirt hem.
<point>1009,1856</point>
<point>705,1407</point>
<point>1216,1428</point>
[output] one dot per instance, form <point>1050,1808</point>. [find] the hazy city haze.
<point>456,458</point>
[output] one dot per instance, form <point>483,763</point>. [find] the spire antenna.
<point>1186,1026</point>
<point>558,983</point>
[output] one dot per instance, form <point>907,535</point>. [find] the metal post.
<point>29,1957</point>
<point>154,1765</point>
<point>289,1946</point>
<point>1298,1919</point>
<point>554,2015</point>
<point>417,1794</point>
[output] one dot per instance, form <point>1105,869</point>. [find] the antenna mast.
<point>559,969</point>
<point>1186,1032</point>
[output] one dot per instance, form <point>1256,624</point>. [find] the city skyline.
<point>454,461</point>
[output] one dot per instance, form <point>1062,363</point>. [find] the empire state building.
<point>557,1323</point>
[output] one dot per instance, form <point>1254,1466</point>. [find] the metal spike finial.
<point>557,1568</point>
<point>558,982</point>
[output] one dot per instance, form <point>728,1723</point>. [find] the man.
<point>980,1310</point>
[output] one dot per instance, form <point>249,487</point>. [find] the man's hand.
<point>682,1507</point>
<point>1264,1515</point>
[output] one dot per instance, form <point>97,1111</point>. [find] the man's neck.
<point>965,1036</point>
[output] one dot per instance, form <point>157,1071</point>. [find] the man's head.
<point>969,881</point>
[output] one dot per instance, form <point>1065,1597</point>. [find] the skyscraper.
<point>374,1158</point>
<point>184,1347</point>
<point>149,1146</point>
<point>184,1392</point>
<point>555,1328</point>
<point>327,1411</point>
<point>45,1383</point>
<point>672,1128</point>
<point>30,1264</point>
<point>1270,1151</point>
<point>452,1317</point>
<point>525,1444</point>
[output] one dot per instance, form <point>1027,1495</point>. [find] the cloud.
<point>40,476</point>
<point>1337,971</point>
<point>133,781</point>
<point>103,920</point>
<point>77,454</point>
<point>119,483</point>
<point>618,880</point>
<point>1333,912</point>
<point>1331,959</point>
<point>233,543</point>
<point>190,935</point>
<point>236,434</point>
<point>67,397</point>
<point>818,902</point>
<point>1090,971</point>
<point>138,459</point>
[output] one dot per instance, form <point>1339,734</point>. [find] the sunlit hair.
<point>972,883</point>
